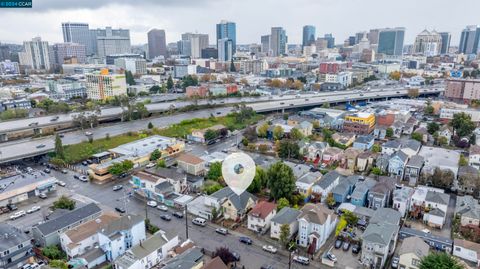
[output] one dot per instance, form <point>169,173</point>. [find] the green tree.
<point>259,182</point>
<point>64,203</point>
<point>59,152</point>
<point>389,132</point>
<point>288,149</point>
<point>210,135</point>
<point>284,234</point>
<point>376,148</point>
<point>433,127</point>
<point>462,161</point>
<point>429,110</point>
<point>60,264</point>
<point>262,130</point>
<point>377,171</point>
<point>232,67</point>
<point>156,154</point>
<point>295,134</point>
<point>129,78</point>
<point>245,142</point>
<point>281,181</point>
<point>277,132</point>
<point>150,125</point>
<point>282,202</point>
<point>53,252</point>
<point>215,171</point>
<point>330,200</point>
<point>189,80</point>
<point>350,217</point>
<point>119,168</point>
<point>212,188</point>
<point>155,89</point>
<point>442,141</point>
<point>439,260</point>
<point>417,136</point>
<point>462,124</point>
<point>170,83</point>
<point>161,163</point>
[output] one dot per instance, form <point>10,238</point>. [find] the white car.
<point>162,208</point>
<point>61,183</point>
<point>152,203</point>
<point>301,259</point>
<point>88,133</point>
<point>270,249</point>
<point>33,209</point>
<point>83,179</point>
<point>17,215</point>
<point>150,165</point>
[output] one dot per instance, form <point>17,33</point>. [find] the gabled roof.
<point>316,213</point>
<point>437,212</point>
<point>262,209</point>
<point>362,187</point>
<point>474,149</point>
<point>392,144</point>
<point>328,179</point>
<point>437,197</point>
<point>91,227</point>
<point>414,245</point>
<point>286,215</point>
<point>215,263</point>
<point>11,236</point>
<point>124,223</point>
<point>380,234</point>
<point>386,216</point>
<point>240,202</point>
<point>310,178</point>
<point>190,158</point>
<point>364,139</point>
<point>384,185</point>
<point>402,156</point>
<point>415,161</point>
<point>412,144</point>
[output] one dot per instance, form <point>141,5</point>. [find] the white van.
<point>199,221</point>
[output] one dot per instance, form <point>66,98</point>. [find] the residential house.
<point>419,197</point>
<point>435,208</point>
<point>380,132</point>
<point>315,225</point>
<point>474,156</point>
<point>344,189</point>
<point>191,164</point>
<point>423,132</point>
<point>439,158</point>
<point>48,233</point>
<point>326,184</point>
<point>331,155</point>
<point>401,199</point>
<point>410,147</point>
<point>16,247</point>
<point>305,127</point>
<point>260,216</point>
<point>468,179</point>
<point>380,237</point>
<point>359,123</point>
<point>467,250</point>
<point>468,209</point>
<point>314,151</point>
<point>345,139</point>
<point>397,128</point>
<point>381,193</point>
<point>413,169</point>
<point>382,162</point>
<point>305,183</point>
<point>349,158</point>
<point>434,241</point>
<point>447,132</point>
<point>233,206</point>
<point>397,163</point>
<point>364,142</point>
<point>160,184</point>
<point>199,135</point>
<point>286,216</point>
<point>215,263</point>
<point>365,160</point>
<point>391,147</point>
<point>175,177</point>
<point>298,169</point>
<point>411,252</point>
<point>192,258</point>
<point>360,193</point>
<point>435,218</point>
<point>148,254</point>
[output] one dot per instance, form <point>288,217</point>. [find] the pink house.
<point>331,155</point>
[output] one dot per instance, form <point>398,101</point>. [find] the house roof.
<point>240,202</point>
<point>149,245</point>
<point>392,144</point>
<point>468,245</point>
<point>362,187</point>
<point>474,149</point>
<point>186,260</point>
<point>468,206</point>
<point>166,173</point>
<point>190,158</point>
<point>412,144</point>
<point>386,216</point>
<point>467,171</point>
<point>364,139</point>
<point>298,169</point>
<point>437,197</point>
<point>69,218</point>
<point>401,155</point>
<point>328,179</point>
<point>415,161</point>
<point>11,236</point>
<point>352,153</point>
<point>379,233</point>
<point>310,178</point>
<point>403,194</point>
<point>437,212</point>
<point>263,209</point>
<point>163,186</point>
<point>91,227</point>
<point>126,222</point>
<point>384,185</point>
<point>316,213</point>
<point>215,263</point>
<point>143,175</point>
<point>414,245</point>
<point>286,215</point>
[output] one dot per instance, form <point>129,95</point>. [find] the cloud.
<point>41,5</point>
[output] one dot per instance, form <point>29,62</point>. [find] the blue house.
<point>359,194</point>
<point>397,163</point>
<point>344,188</point>
<point>364,142</point>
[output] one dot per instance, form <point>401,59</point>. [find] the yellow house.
<point>234,207</point>
<point>362,118</point>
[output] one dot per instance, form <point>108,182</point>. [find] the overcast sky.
<point>253,17</point>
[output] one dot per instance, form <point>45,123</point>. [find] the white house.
<point>467,250</point>
<point>286,216</point>
<point>329,181</point>
<point>305,183</point>
<point>261,215</point>
<point>315,224</point>
<point>401,199</point>
<point>474,156</point>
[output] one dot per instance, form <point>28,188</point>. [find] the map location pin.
<point>238,171</point>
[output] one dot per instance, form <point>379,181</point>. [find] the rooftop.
<point>23,183</point>
<point>11,236</point>
<point>144,146</point>
<point>91,227</point>
<point>262,209</point>
<point>286,215</point>
<point>414,245</point>
<point>316,213</point>
<point>190,158</point>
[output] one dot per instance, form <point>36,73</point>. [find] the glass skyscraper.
<point>330,40</point>
<point>390,41</point>
<point>469,40</point>
<point>308,35</point>
<point>74,32</point>
<point>278,41</point>
<point>445,42</point>
<point>228,30</point>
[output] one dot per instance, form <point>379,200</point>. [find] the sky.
<point>253,17</point>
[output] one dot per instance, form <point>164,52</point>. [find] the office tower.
<point>359,36</point>
<point>278,41</point>
<point>198,42</point>
<point>101,85</point>
<point>112,41</point>
<point>36,54</point>
<point>446,37</point>
<point>351,41</point>
<point>63,51</point>
<point>137,66</point>
<point>226,29</point>
<point>225,49</point>
<point>208,53</point>
<point>308,35</point>
<point>157,43</point>
<point>427,43</point>
<point>373,36</point>
<point>74,32</point>
<point>469,40</point>
<point>321,43</point>
<point>390,41</point>
<point>184,47</point>
<point>330,40</point>
<point>265,41</point>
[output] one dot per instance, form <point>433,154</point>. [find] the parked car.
<point>269,248</point>
<point>162,208</point>
<point>12,207</point>
<point>246,240</point>
<point>166,217</point>
<point>301,260</point>
<point>221,231</point>
<point>42,196</point>
<point>395,261</point>
<point>64,171</point>
<point>17,215</point>
<point>84,163</point>
<point>88,133</point>
<point>236,256</point>
<point>120,209</point>
<point>152,204</point>
<point>61,183</point>
<point>40,146</point>
<point>117,187</point>
<point>267,266</point>
<point>83,179</point>
<point>346,246</point>
<point>178,214</point>
<point>338,243</point>
<point>76,177</point>
<point>33,209</point>
<point>356,248</point>
<point>46,170</point>
<point>150,165</point>
<point>331,257</point>
<point>199,221</point>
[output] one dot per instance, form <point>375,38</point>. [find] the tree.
<point>161,163</point>
<point>295,134</point>
<point>215,171</point>
<point>53,252</point>
<point>107,136</point>
<point>259,182</point>
<point>439,260</point>
<point>330,200</point>
<point>429,109</point>
<point>189,80</point>
<point>119,168</point>
<point>350,217</point>
<point>462,124</point>
<point>64,203</point>
<point>150,125</point>
<point>232,66</point>
<point>244,81</point>
<point>376,148</point>
<point>278,132</point>
<point>462,161</point>
<point>441,178</point>
<point>276,83</point>
<point>417,136</point>
<point>281,181</point>
<point>284,234</point>
<point>250,134</point>
<point>262,130</point>
<point>395,75</point>
<point>225,255</point>
<point>297,85</point>
<point>210,135</point>
<point>389,132</point>
<point>288,149</point>
<point>60,264</point>
<point>433,127</point>
<point>170,83</point>
<point>59,153</point>
<point>377,171</point>
<point>212,188</point>
<point>442,141</point>
<point>282,202</point>
<point>316,125</point>
<point>156,154</point>
<point>413,93</point>
<point>155,89</point>
<point>129,78</point>
<point>245,141</point>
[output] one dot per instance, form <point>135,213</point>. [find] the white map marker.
<point>238,171</point>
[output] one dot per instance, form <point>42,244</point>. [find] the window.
<point>458,249</point>
<point>415,262</point>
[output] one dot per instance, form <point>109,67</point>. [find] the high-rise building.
<point>265,41</point>
<point>469,40</point>
<point>227,29</point>
<point>137,66</point>
<point>308,35</point>
<point>373,36</point>
<point>390,41</point>
<point>446,37</point>
<point>112,41</point>
<point>359,36</point>
<point>101,85</point>
<point>208,53</point>
<point>330,40</point>
<point>428,43</point>
<point>157,43</point>
<point>184,47</point>
<point>198,42</point>
<point>36,55</point>
<point>63,51</point>
<point>76,32</point>
<point>278,41</point>
<point>225,49</point>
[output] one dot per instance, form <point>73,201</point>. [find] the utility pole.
<point>186,222</point>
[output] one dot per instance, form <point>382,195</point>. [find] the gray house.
<point>345,188</point>
<point>382,162</point>
<point>413,169</point>
<point>380,194</point>
<point>15,246</point>
<point>47,233</point>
